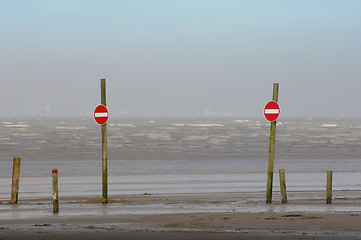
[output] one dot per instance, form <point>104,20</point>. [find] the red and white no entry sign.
<point>101,114</point>
<point>272,111</point>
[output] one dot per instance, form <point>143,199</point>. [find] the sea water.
<point>178,145</point>
<point>193,150</point>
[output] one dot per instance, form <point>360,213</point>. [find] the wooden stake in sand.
<point>271,150</point>
<point>55,191</point>
<point>329,188</point>
<point>15,182</point>
<point>283,186</point>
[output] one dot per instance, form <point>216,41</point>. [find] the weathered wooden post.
<point>329,188</point>
<point>104,148</point>
<point>15,181</point>
<point>101,116</point>
<point>55,191</point>
<point>271,149</point>
<point>283,186</point>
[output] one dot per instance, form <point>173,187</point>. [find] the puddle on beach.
<point>179,194</point>
<point>168,204</point>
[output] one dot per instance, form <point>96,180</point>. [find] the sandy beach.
<point>182,216</point>
<point>269,225</point>
<point>183,206</point>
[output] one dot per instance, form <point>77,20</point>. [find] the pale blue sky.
<point>180,58</point>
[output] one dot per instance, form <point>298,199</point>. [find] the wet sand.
<point>183,206</point>
<point>183,216</point>
<point>295,225</point>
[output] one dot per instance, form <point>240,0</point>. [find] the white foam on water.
<point>71,128</point>
<point>205,125</point>
<point>329,125</point>
<point>178,124</point>
<point>17,126</point>
<point>242,121</point>
<point>123,125</point>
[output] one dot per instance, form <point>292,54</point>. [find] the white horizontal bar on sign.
<point>271,111</point>
<point>104,114</point>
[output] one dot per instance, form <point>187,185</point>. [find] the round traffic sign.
<point>271,111</point>
<point>101,114</point>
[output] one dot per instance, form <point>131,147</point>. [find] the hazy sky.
<point>180,58</point>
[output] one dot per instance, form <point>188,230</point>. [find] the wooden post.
<point>271,150</point>
<point>55,191</point>
<point>104,148</point>
<point>329,188</point>
<point>283,186</point>
<point>15,182</point>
